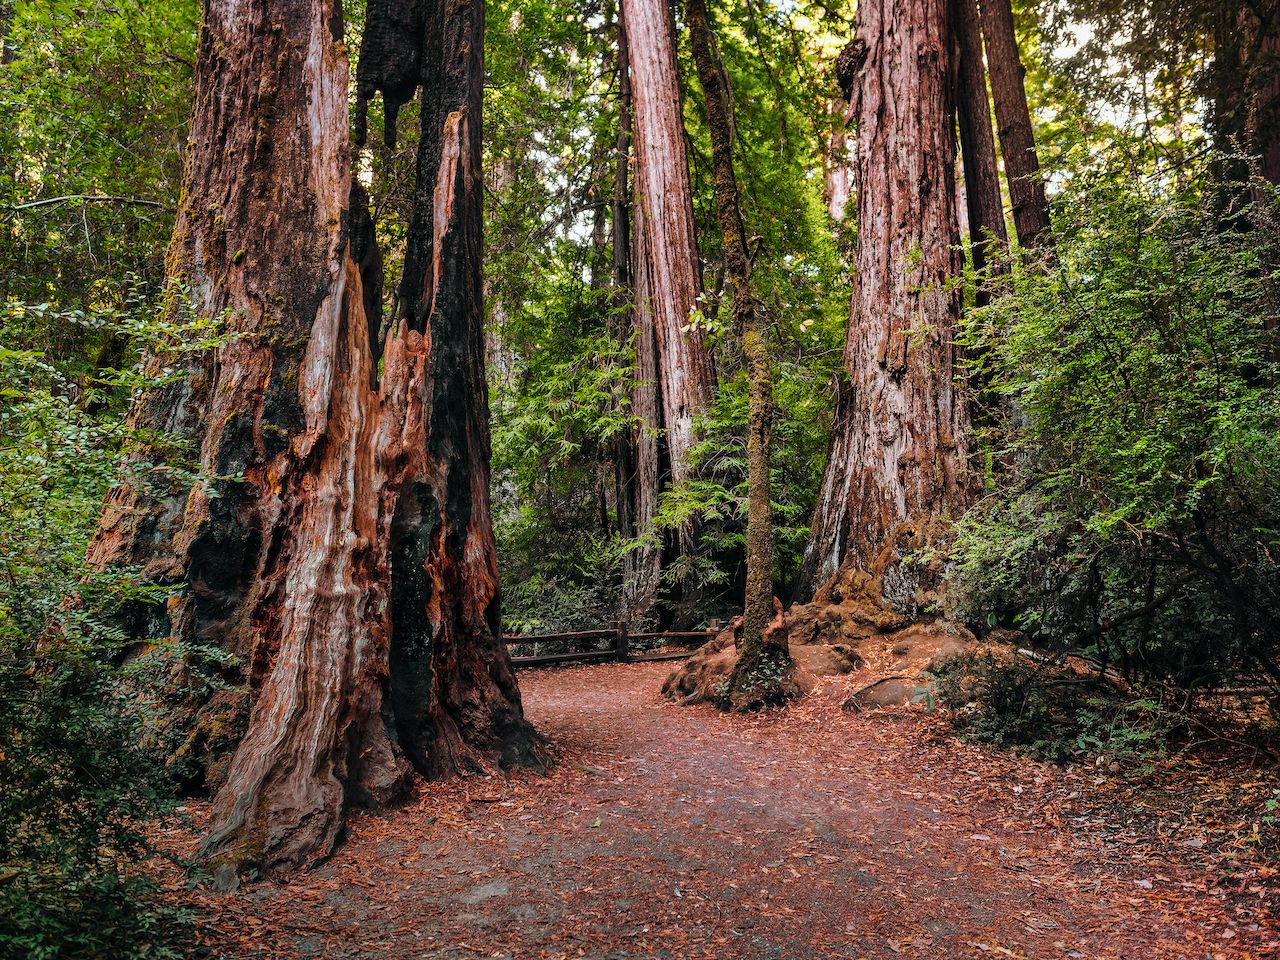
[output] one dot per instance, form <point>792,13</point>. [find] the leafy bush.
<point>76,786</point>
<point>1053,713</point>
<point>1136,511</point>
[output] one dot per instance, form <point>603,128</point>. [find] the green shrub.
<point>77,788</point>
<point>1052,713</point>
<point>1135,438</point>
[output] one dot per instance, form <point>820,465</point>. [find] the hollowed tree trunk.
<point>899,458</point>
<point>352,568</point>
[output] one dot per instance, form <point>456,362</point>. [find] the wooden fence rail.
<point>618,650</point>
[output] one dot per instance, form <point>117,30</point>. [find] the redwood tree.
<point>1245,87</point>
<point>977,145</point>
<point>674,374</point>
<point>899,457</point>
<point>349,559</point>
<point>636,454</point>
<point>1013,121</point>
<point>667,275</point>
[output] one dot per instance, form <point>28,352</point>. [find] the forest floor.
<point>669,832</point>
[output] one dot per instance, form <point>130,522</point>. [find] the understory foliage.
<point>1056,714</point>
<point>561,360</point>
<point>80,787</point>
<point>1135,459</point>
<point>93,107</point>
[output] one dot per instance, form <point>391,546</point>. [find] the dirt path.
<point>679,833</point>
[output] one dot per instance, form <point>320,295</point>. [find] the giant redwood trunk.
<point>351,569</point>
<point>636,454</point>
<point>663,238</point>
<point>1013,121</point>
<point>899,456</point>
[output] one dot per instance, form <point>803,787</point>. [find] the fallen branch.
<point>86,198</point>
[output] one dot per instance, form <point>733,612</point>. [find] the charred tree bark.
<point>453,692</point>
<point>758,607</point>
<point>988,237</point>
<point>899,457</point>
<point>1013,119</point>
<point>666,253</point>
<point>352,569</point>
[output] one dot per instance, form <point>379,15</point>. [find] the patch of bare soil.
<point>811,832</point>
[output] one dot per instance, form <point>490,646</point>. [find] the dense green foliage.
<point>93,102</point>
<point>1138,514</point>
<point>79,787</point>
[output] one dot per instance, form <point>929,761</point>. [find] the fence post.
<point>622,643</point>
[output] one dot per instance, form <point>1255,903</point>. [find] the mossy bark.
<point>758,664</point>
<point>900,446</point>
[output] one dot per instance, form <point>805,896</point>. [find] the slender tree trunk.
<point>500,355</point>
<point>1013,119</point>
<point>899,458</point>
<point>352,568</point>
<point>746,315</point>
<point>988,237</point>
<point>665,248</point>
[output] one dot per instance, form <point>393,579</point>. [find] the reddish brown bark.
<point>899,458</point>
<point>1265,119</point>
<point>636,454</point>
<point>1013,121</point>
<point>352,570</point>
<point>988,237</point>
<point>665,250</point>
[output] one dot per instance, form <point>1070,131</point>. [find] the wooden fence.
<point>619,648</point>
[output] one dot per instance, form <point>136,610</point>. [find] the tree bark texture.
<point>1013,122</point>
<point>899,457</point>
<point>1264,120</point>
<point>636,455</point>
<point>1245,115</point>
<point>666,251</point>
<point>988,237</point>
<point>758,607</point>
<point>352,568</point>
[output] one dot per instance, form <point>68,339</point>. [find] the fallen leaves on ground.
<point>666,832</point>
